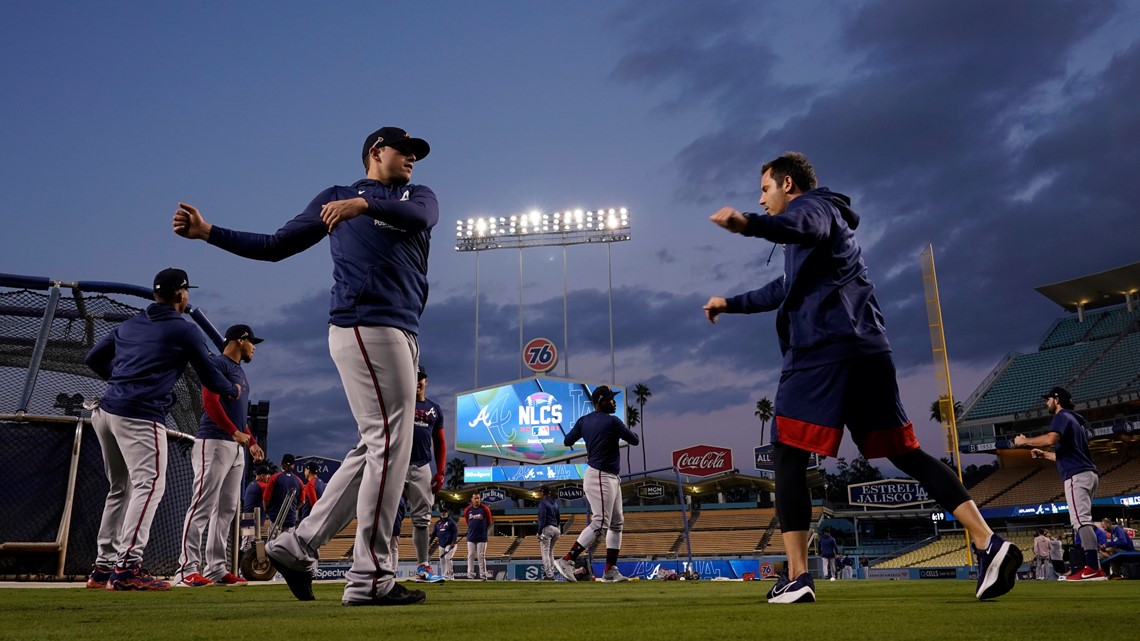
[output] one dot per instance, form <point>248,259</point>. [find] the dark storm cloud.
<point>938,131</point>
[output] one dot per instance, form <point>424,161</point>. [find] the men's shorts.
<point>813,405</point>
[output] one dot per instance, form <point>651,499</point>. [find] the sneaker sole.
<point>568,576</point>
<point>802,595</point>
<point>300,583</point>
<point>1001,573</point>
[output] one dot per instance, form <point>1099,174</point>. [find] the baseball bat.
<point>207,327</point>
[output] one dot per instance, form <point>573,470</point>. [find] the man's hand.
<point>715,307</point>
<point>237,386</point>
<point>1019,440</point>
<point>257,453</point>
<point>436,483</point>
<point>730,219</point>
<point>339,211</point>
<point>188,223</point>
<point>241,438</point>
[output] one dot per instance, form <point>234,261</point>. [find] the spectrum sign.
<point>525,420</point>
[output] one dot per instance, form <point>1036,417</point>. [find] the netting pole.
<point>38,352</point>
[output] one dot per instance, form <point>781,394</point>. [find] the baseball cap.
<point>1059,393</point>
<point>601,393</point>
<point>394,137</point>
<point>312,467</point>
<point>238,332</point>
<point>262,469</point>
<point>422,375</point>
<point>288,459</point>
<point>171,280</point>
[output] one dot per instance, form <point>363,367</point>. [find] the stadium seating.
<point>998,482</point>
<point>1019,387</point>
<point>1042,486</point>
<point>1111,373</point>
<point>1070,330</point>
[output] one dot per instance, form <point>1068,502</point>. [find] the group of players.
<point>837,372</point>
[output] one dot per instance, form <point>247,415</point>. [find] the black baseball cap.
<point>288,459</point>
<point>601,393</point>
<point>422,374</point>
<point>1059,393</point>
<point>394,137</point>
<point>171,280</point>
<point>262,469</point>
<point>238,332</point>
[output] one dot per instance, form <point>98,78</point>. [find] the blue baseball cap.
<point>394,137</point>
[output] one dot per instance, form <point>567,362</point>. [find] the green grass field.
<point>651,610</point>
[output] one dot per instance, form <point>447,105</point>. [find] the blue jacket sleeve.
<point>765,299</point>
<point>803,225</point>
<point>626,434</point>
<point>297,235</point>
<point>574,435</point>
<point>100,357</point>
<point>419,212</point>
<point>212,378</point>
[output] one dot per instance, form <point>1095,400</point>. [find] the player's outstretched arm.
<point>189,223</point>
<point>297,235</point>
<point>729,218</point>
<point>715,307</point>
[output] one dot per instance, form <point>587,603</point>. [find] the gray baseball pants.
<point>603,493</point>
<point>477,559</point>
<point>134,459</point>
<point>218,469</point>
<point>1079,492</point>
<point>420,498</point>
<point>377,368</point>
<point>446,556</point>
<point>546,540</point>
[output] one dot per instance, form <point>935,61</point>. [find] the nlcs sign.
<point>702,460</point>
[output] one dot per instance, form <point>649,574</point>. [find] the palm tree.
<point>632,418</point>
<point>454,472</point>
<point>936,411</point>
<point>764,411</point>
<point>641,393</point>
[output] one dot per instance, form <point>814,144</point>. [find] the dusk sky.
<point>1005,133</point>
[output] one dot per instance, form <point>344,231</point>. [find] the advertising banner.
<point>888,493</point>
<point>702,460</point>
<point>524,473</point>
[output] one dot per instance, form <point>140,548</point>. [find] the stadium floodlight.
<point>539,229</point>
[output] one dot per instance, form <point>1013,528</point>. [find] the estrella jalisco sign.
<point>890,493</point>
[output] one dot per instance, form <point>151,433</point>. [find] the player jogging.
<point>602,432</point>
<point>837,368</point>
<point>421,485</point>
<point>379,233</point>
<point>219,466</point>
<point>1070,443</point>
<point>141,360</point>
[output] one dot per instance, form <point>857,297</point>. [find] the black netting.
<point>64,380</point>
<point>38,458</point>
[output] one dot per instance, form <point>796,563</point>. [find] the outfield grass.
<point>650,610</point>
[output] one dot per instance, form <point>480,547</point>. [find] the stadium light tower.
<point>538,229</point>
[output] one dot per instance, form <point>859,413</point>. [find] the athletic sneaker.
<point>134,578</point>
<point>300,582</point>
<point>997,568</point>
<point>398,595</point>
<point>1087,574</point>
<point>424,575</point>
<point>613,575</point>
<point>802,590</point>
<point>99,577</point>
<point>565,568</point>
<point>193,581</point>
<point>231,579</point>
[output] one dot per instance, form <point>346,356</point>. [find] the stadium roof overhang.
<point>1094,291</point>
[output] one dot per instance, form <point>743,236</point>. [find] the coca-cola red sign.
<point>702,460</point>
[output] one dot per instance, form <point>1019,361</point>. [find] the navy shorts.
<point>813,405</point>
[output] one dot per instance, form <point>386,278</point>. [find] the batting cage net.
<point>46,330</point>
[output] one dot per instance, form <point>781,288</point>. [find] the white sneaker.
<point>612,575</point>
<point>565,568</point>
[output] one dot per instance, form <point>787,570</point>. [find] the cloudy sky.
<point>1005,134</point>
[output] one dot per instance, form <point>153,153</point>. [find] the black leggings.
<point>793,499</point>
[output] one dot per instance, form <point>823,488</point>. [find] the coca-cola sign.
<point>702,460</point>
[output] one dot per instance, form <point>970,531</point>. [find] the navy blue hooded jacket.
<point>379,258</point>
<point>142,359</point>
<point>825,304</point>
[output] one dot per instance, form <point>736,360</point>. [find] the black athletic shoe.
<point>300,583</point>
<point>997,571</point>
<point>398,595</point>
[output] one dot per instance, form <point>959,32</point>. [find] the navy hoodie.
<point>825,304</point>
<point>379,258</point>
<point>143,358</point>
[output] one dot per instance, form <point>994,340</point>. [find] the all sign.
<point>540,355</point>
<point>703,460</point>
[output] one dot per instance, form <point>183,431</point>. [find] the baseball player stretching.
<point>548,531</point>
<point>141,361</point>
<point>379,233</point>
<point>219,466</point>
<point>445,532</point>
<point>479,521</point>
<point>602,432</point>
<point>421,485</point>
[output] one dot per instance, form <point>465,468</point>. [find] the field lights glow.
<point>535,229</point>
